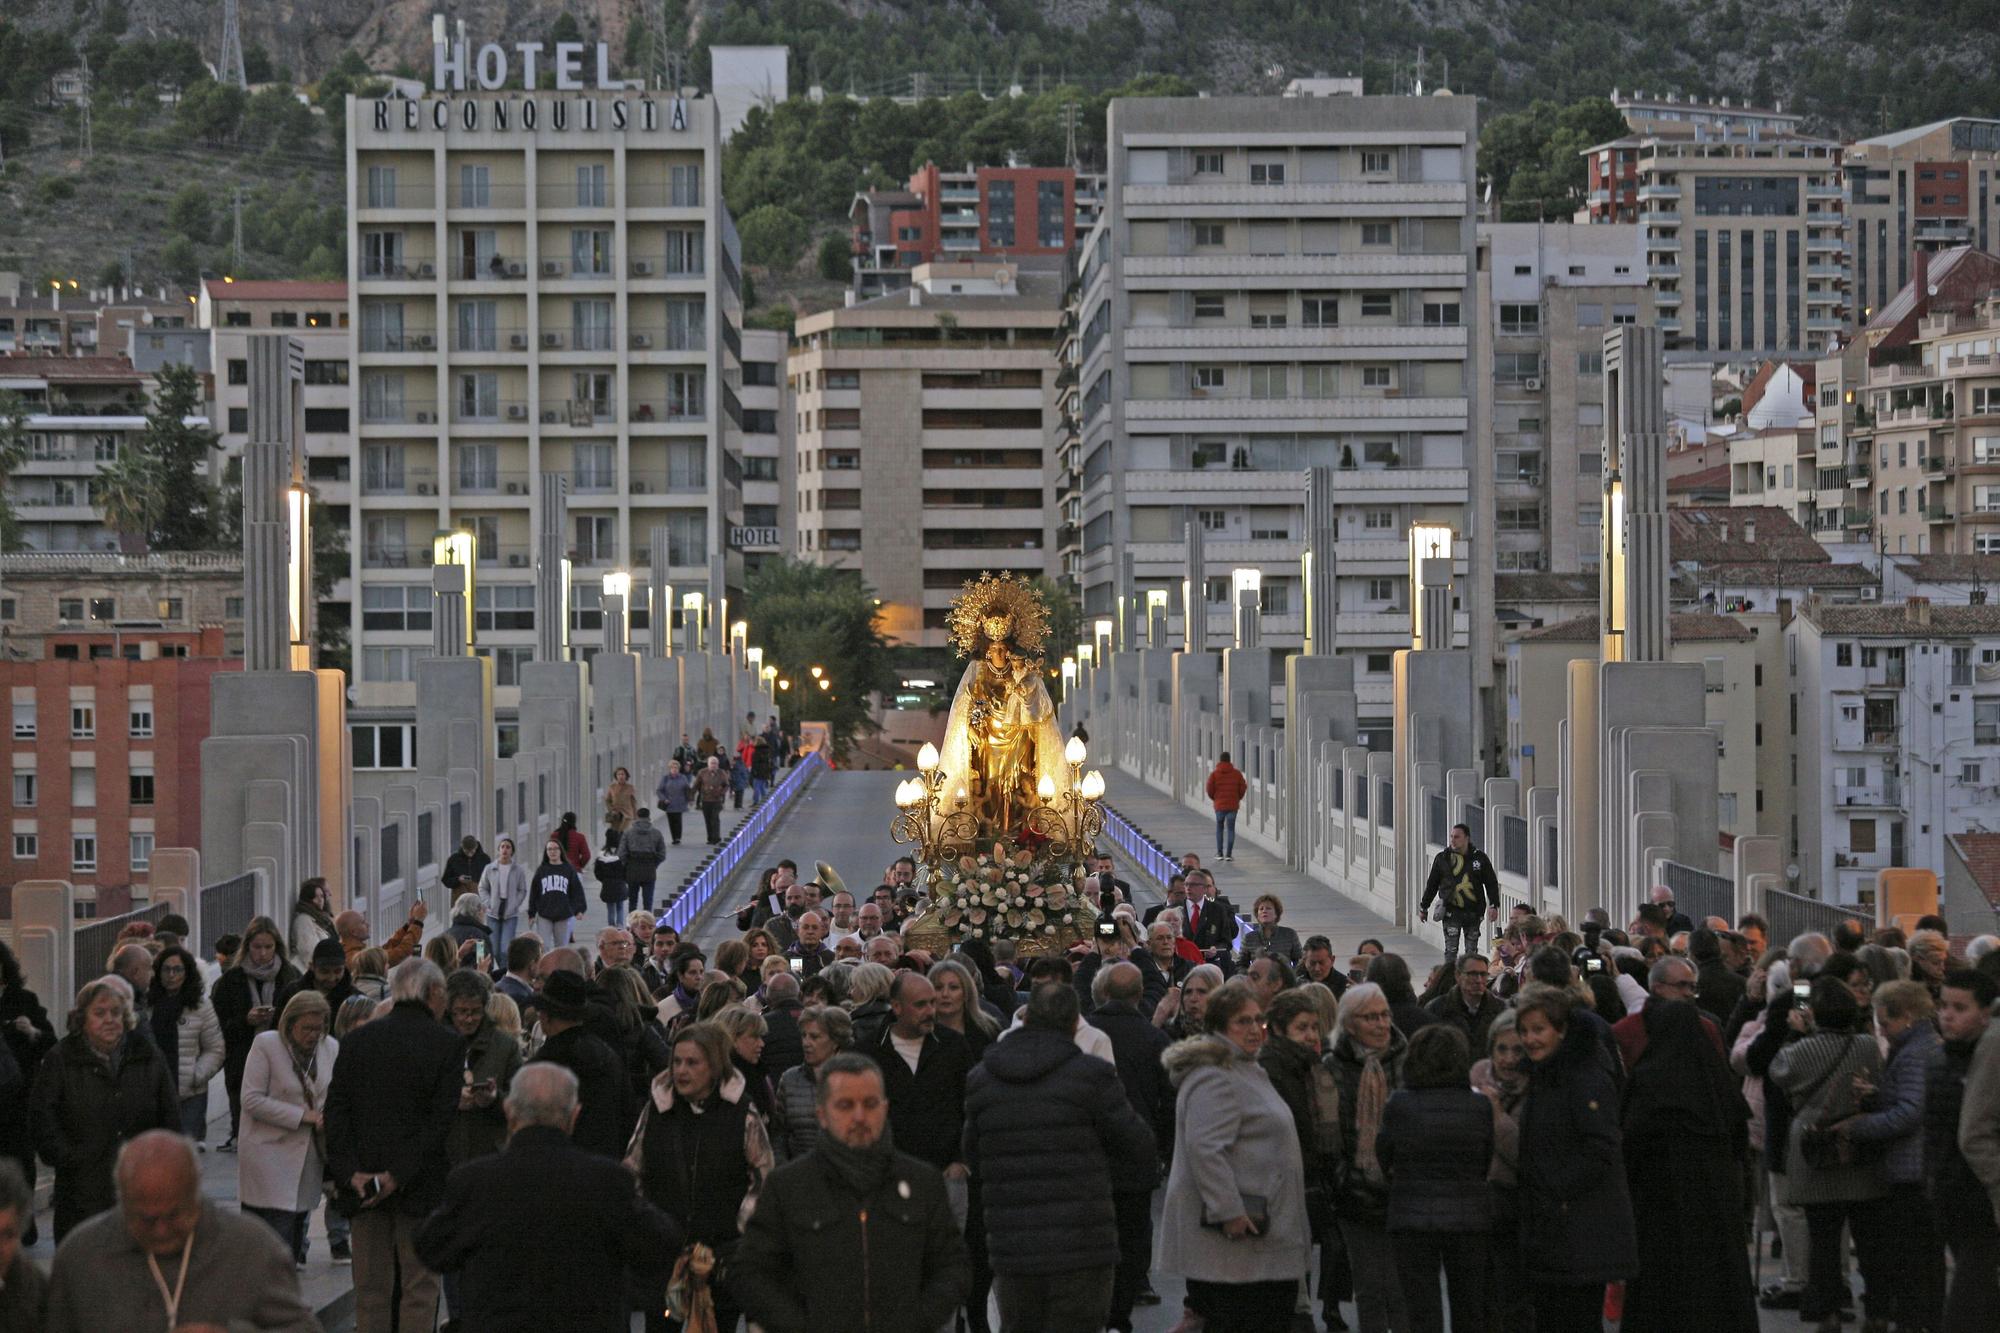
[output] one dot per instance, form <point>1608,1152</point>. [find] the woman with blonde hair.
<point>371,973</point>
<point>443,951</point>
<point>282,1159</point>
<point>959,1006</point>
<point>246,1004</point>
<point>506,1015</point>
<point>354,1011</point>
<point>868,1003</point>
<point>103,1083</point>
<point>747,1030</point>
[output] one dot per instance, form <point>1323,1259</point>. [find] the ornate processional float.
<point>1003,816</point>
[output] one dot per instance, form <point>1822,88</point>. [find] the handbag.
<point>1255,1207</point>
<point>1822,1147</point>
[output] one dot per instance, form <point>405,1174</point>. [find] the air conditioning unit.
<point>550,416</point>
<point>516,488</point>
<point>426,342</point>
<point>425,488</point>
<point>642,268</point>
<point>1870,592</point>
<point>423,418</point>
<point>552,268</point>
<point>427,270</point>
<point>516,560</point>
<point>552,340</point>
<point>642,340</point>
<point>519,342</point>
<point>517,411</point>
<point>638,487</point>
<point>516,269</point>
<point>1534,385</point>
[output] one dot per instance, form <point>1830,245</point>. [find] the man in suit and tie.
<point>1209,920</point>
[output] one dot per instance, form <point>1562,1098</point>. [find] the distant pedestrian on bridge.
<point>1464,876</point>
<point>1226,788</point>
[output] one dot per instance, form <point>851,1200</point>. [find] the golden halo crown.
<point>999,595</point>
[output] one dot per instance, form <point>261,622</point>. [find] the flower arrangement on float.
<point>1008,891</point>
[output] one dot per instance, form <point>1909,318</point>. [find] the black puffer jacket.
<point>1576,1212</point>
<point>1436,1144</point>
<point>1047,1129</point>
<point>1948,1180</point>
<point>84,1113</point>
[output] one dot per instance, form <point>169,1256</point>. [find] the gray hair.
<point>1657,973</point>
<point>1808,954</point>
<point>109,984</point>
<point>467,907</point>
<point>1980,947</point>
<point>1355,996</point>
<point>542,1094</point>
<point>781,986</point>
<point>871,981</point>
<point>415,979</point>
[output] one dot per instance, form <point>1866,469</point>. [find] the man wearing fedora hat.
<point>605,1120</point>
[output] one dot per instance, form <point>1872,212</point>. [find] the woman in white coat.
<point>187,1032</point>
<point>503,892</point>
<point>281,1148</point>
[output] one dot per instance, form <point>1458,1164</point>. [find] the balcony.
<point>1939,511</point>
<point>399,412</point>
<point>1657,271</point>
<point>1887,794</point>
<point>1820,217</point>
<point>486,481</point>
<point>502,338</point>
<point>1448,412</point>
<point>663,194</point>
<point>670,481</point>
<point>1857,518</point>
<point>668,338</point>
<point>399,340</point>
<point>491,411</point>
<point>1857,474</point>
<point>1664,243</point>
<point>398,480</point>
<point>1667,300</point>
<point>377,269</point>
<point>494,268</point>
<point>1940,466</point>
<point>1834,271</point>
<point>669,410</point>
<point>1659,190</point>
<point>385,555</point>
<point>669,266</point>
<point>588,193</point>
<point>478,196</point>
<point>391,194</point>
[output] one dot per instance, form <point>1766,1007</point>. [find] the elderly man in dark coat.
<point>1049,1129</point>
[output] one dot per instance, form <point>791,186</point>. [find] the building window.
<point>142,853</point>
<point>239,371</point>
<point>24,788</point>
<point>1210,305</point>
<point>1378,233</point>
<point>1374,163</point>
<point>1319,310</point>
<point>1208,164</point>
<point>1267,173</point>
<point>170,608</point>
<point>1520,319</point>
<point>24,719</point>
<point>1210,234</point>
<point>396,606</point>
<point>504,606</point>
<point>1379,520</point>
<point>69,608</point>
<point>1374,377</point>
<point>142,788</point>
<point>1377,305</point>
<point>1208,379</point>
<point>1861,835</point>
<point>1268,381</point>
<point>1381,590</point>
<point>507,663</point>
<point>83,786</point>
<point>387,664</point>
<point>104,608</point>
<point>141,718</point>
<point>1441,314</point>
<point>1970,773</point>
<point>1212,520</point>
<point>384,745</point>
<point>82,722</point>
<point>83,853</point>
<point>1843,654</point>
<point>26,847</point>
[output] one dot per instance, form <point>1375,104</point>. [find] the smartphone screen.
<point>1107,928</point>
<point>798,965</point>
<point>1802,992</point>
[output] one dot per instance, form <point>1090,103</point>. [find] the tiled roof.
<point>1950,568</point>
<point>1789,573</point>
<point>70,367</point>
<point>1981,852</point>
<point>1895,619</point>
<point>1707,479</point>
<point>275,290</point>
<point>1943,267</point>
<point>1545,587</point>
<point>1722,534</point>
<point>1683,628</point>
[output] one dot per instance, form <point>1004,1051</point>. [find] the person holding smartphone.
<point>246,1004</point>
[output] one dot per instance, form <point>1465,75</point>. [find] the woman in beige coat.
<point>281,1159</point>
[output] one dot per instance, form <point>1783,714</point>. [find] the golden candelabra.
<point>945,828</point>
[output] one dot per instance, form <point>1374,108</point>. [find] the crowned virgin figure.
<point>1001,741</point>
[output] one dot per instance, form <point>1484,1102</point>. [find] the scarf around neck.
<point>1370,1096</point>
<point>862,1170</point>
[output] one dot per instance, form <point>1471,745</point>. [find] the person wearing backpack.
<point>643,848</point>
<point>555,895</point>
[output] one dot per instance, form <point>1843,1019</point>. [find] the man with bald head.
<point>167,1258</point>
<point>1136,1047</point>
<point>593,1232</point>
<point>352,928</point>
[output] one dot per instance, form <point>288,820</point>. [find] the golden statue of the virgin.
<point>1001,739</point>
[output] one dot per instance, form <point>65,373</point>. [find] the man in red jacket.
<point>1226,785</point>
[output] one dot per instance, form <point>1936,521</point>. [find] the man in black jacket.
<point>1049,1130</point>
<point>1464,875</point>
<point>856,1234</point>
<point>783,1046</point>
<point>591,1229</point>
<point>389,1110</point>
<point>1136,1047</point>
<point>468,862</point>
<point>924,1068</point>
<point>1210,921</point>
<point>642,847</point>
<point>605,1122</point>
<point>809,944</point>
<point>1469,1006</point>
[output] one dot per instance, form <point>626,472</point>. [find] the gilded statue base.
<point>927,931</point>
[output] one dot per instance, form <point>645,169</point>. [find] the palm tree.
<point>130,496</point>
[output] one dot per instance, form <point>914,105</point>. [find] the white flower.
<point>1046,930</point>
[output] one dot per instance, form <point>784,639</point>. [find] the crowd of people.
<point>816,1126</point>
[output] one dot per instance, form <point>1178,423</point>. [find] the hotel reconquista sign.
<point>457,67</point>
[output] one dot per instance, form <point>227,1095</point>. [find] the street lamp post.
<point>617,623</point>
